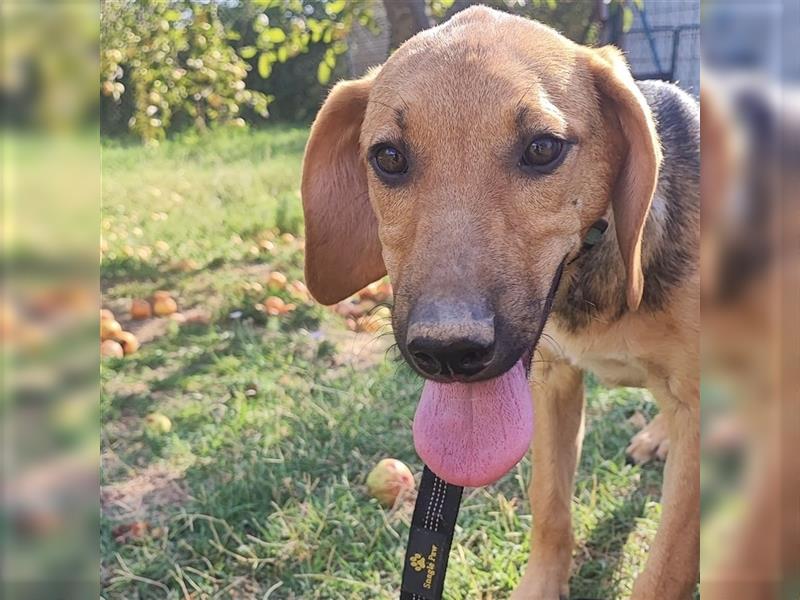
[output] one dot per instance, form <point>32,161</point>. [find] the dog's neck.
<point>593,286</point>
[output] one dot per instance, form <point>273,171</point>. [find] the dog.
<point>473,167</point>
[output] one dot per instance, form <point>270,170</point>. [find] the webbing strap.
<point>430,537</point>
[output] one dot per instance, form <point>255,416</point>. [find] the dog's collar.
<point>595,233</point>
<point>592,238</point>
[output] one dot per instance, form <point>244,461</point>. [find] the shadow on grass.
<point>127,270</point>
<point>598,561</point>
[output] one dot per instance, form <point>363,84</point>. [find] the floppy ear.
<point>638,174</point>
<point>343,252</point>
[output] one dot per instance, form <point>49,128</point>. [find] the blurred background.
<point>166,136</point>
<point>167,67</point>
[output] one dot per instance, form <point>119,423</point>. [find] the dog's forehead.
<point>478,73</point>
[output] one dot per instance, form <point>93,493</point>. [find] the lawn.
<point>257,490</point>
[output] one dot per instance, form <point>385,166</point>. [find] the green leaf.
<point>551,4</point>
<point>323,73</point>
<point>247,51</point>
<point>264,66</point>
<point>283,54</point>
<point>172,15</point>
<point>627,19</point>
<point>639,4</point>
<point>276,35</point>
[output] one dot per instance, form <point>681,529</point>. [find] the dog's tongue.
<point>471,434</point>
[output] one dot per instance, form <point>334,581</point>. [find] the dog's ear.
<point>641,156</point>
<point>343,252</point>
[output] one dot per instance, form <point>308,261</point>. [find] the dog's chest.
<point>608,356</point>
<point>614,371</point>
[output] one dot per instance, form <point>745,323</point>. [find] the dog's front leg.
<point>672,567</point>
<point>557,389</point>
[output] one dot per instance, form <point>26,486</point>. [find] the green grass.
<point>258,489</point>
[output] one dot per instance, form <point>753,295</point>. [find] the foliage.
<point>175,60</point>
<point>315,36</point>
<point>287,28</point>
<point>579,20</point>
<point>167,65</point>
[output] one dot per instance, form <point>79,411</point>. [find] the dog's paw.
<point>541,583</point>
<point>652,442</point>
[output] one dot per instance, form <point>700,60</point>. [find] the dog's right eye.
<point>389,160</point>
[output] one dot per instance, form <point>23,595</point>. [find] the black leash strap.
<point>430,537</point>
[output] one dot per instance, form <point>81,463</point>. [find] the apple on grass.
<point>141,309</point>
<point>164,304</point>
<point>109,328</point>
<point>111,348</point>
<point>388,480</point>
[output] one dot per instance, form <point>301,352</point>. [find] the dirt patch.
<point>143,496</point>
<point>360,350</point>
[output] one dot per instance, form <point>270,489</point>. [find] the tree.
<point>406,19</point>
<point>174,62</point>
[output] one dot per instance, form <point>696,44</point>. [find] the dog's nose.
<point>451,344</point>
<point>462,357</point>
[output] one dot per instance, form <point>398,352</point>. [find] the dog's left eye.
<point>544,153</point>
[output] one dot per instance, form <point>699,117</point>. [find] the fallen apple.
<point>158,423</point>
<point>163,306</point>
<point>111,348</point>
<point>384,291</point>
<point>388,480</point>
<point>276,306</point>
<point>299,290</point>
<point>141,309</point>
<point>186,265</point>
<point>128,342</point>
<point>109,328</point>
<point>276,281</point>
<point>370,292</point>
<point>106,315</point>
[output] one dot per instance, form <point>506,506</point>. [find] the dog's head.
<point>469,167</point>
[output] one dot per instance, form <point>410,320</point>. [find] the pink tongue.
<point>471,434</point>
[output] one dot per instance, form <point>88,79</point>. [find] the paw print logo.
<point>417,562</point>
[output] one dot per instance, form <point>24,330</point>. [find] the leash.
<point>436,510</point>
<point>432,528</point>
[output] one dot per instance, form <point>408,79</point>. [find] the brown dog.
<point>471,167</point>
